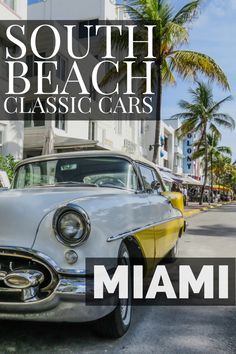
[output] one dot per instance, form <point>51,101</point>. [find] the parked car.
<point>65,208</point>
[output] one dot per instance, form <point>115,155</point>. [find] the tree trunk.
<point>156,154</point>
<point>206,166</point>
<point>212,178</point>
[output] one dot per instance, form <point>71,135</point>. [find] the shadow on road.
<point>42,337</point>
<point>213,230</point>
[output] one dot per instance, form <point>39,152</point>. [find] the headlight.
<point>71,225</point>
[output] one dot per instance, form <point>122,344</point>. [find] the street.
<point>154,329</point>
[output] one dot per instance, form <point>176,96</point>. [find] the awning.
<point>222,188</point>
<point>186,180</point>
<point>191,181</point>
<point>37,142</point>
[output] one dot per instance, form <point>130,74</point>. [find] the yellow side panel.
<point>146,240</point>
<point>177,199</point>
<point>166,236</point>
<point>157,242</point>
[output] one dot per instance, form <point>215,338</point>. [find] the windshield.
<point>97,171</point>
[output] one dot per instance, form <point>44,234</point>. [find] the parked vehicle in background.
<point>70,207</point>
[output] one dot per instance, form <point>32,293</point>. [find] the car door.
<point>160,210</point>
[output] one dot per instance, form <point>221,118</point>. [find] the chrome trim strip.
<point>48,260</point>
<point>142,228</point>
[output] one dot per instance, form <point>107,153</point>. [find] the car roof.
<point>90,153</point>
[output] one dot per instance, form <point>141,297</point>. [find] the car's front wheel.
<point>117,323</point>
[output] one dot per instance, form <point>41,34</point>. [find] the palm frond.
<point>189,64</point>
<point>223,119</point>
<point>173,34</point>
<point>187,126</point>
<point>217,105</point>
<point>187,13</point>
<point>198,153</point>
<point>225,150</point>
<point>167,74</point>
<point>183,115</point>
<point>215,134</point>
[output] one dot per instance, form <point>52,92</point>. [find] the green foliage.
<point>202,115</point>
<point>7,164</point>
<point>202,112</point>
<point>172,32</point>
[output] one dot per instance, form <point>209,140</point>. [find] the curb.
<point>193,212</point>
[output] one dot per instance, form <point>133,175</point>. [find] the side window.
<point>149,176</point>
<point>158,179</point>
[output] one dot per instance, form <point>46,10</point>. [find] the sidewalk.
<point>194,208</point>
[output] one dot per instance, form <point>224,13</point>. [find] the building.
<point>11,132</point>
<point>183,150</point>
<point>70,134</point>
<point>167,143</point>
<point>91,10</point>
<point>178,164</point>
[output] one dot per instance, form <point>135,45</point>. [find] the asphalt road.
<point>154,329</point>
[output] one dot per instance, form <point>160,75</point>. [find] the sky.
<point>213,33</point>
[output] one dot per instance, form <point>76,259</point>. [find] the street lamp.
<point>152,146</point>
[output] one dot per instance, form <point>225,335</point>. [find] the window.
<point>60,121</point>
<point>149,176</point>
<point>166,143</point>
<point>61,68</point>
<point>10,3</point>
<point>32,66</point>
<point>166,163</point>
<point>109,172</point>
<point>1,142</point>
<point>36,119</point>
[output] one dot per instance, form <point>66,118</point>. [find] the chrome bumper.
<point>66,303</point>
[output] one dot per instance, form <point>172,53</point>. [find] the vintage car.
<point>64,208</point>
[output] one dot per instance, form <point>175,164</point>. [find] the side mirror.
<point>155,185</point>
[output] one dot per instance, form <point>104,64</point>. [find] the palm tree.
<point>214,153</point>
<point>202,116</point>
<point>170,34</point>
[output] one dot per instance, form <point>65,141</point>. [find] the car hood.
<point>21,211</point>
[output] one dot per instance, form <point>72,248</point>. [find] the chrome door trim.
<point>142,228</point>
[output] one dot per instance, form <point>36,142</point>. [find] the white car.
<point>65,208</point>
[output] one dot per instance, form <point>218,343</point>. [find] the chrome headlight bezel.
<point>84,219</point>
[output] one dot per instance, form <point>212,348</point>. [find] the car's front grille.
<point>14,264</point>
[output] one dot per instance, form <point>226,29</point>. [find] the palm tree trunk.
<point>206,166</point>
<point>212,177</point>
<point>158,113</point>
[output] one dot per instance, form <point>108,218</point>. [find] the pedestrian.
<point>185,193</point>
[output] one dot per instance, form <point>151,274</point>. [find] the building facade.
<point>76,10</point>
<point>178,157</point>
<point>167,140</point>
<point>77,134</point>
<point>11,132</point>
